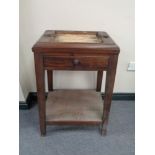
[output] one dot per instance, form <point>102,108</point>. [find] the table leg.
<point>40,82</point>
<point>50,80</point>
<point>99,80</point>
<point>110,78</point>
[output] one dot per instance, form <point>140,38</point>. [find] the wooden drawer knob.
<point>76,61</point>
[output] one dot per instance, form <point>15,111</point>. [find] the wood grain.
<point>76,62</point>
<point>40,82</point>
<point>47,42</point>
<point>51,54</point>
<point>110,79</point>
<point>99,80</point>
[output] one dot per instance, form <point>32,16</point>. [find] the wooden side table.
<point>75,50</point>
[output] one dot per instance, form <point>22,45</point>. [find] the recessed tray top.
<point>59,39</point>
<point>81,38</point>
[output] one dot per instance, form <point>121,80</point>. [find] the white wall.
<point>115,17</point>
<point>21,96</point>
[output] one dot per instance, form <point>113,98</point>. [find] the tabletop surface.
<point>75,39</point>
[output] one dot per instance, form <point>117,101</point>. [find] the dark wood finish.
<point>46,43</point>
<point>76,63</point>
<point>99,80</point>
<point>52,54</point>
<point>73,123</point>
<point>40,82</point>
<point>50,80</point>
<point>110,79</point>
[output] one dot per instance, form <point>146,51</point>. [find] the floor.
<point>81,140</point>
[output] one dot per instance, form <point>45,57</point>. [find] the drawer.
<point>76,62</point>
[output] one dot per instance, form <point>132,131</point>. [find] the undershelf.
<point>74,106</point>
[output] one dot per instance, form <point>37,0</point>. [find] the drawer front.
<point>76,62</point>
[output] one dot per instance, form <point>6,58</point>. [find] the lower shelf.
<point>74,106</point>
